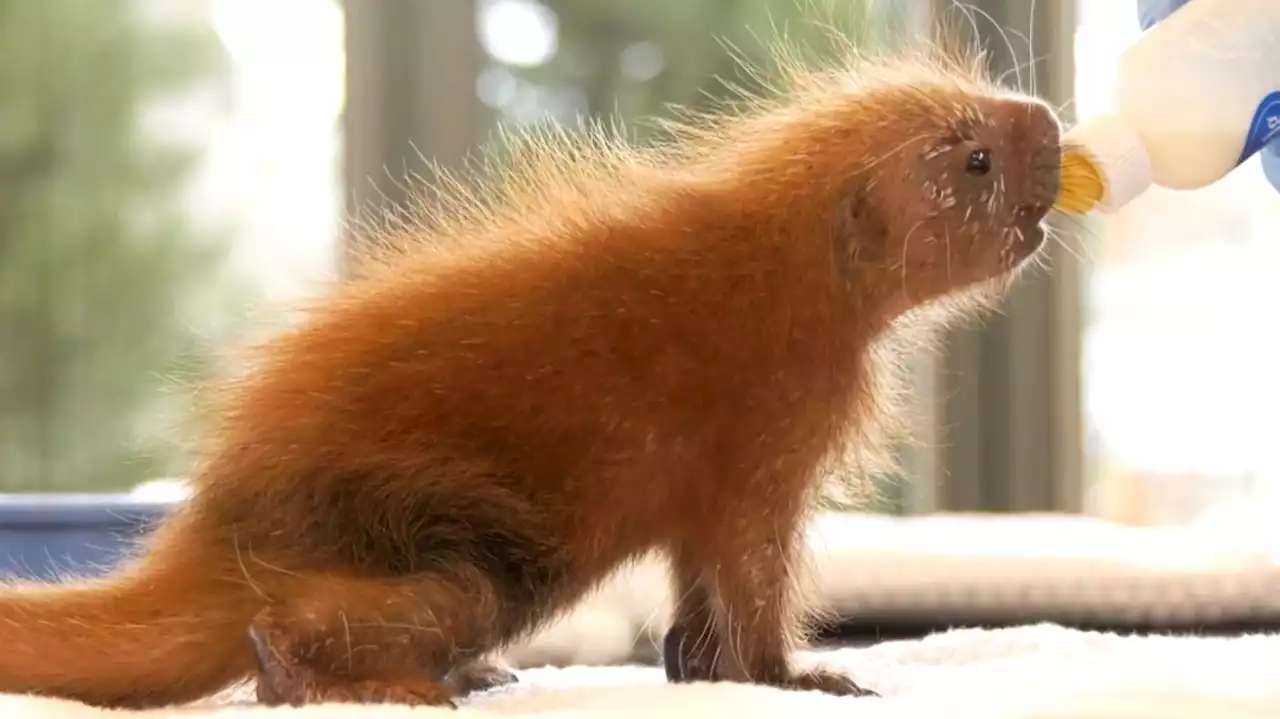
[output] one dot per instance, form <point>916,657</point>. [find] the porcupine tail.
<point>166,629</point>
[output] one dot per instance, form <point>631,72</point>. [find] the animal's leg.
<point>692,644</point>
<point>374,640</point>
<point>758,608</point>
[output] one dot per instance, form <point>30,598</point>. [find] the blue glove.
<point>1151,12</point>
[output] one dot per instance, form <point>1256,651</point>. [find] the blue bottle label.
<point>1265,126</point>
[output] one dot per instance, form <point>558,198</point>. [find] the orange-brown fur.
<point>606,351</point>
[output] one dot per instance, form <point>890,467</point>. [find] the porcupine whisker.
<point>906,244</point>
<point>1031,45</point>
<point>1076,241</point>
<point>946,234</point>
<point>1055,236</point>
<point>1028,65</point>
<point>971,12</point>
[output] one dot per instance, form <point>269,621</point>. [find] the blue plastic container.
<point>46,536</point>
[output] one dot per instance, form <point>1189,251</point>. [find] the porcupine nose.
<point>1037,135</point>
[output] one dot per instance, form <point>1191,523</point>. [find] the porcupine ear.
<point>859,234</point>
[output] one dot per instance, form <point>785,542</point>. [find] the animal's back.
<point>537,379</point>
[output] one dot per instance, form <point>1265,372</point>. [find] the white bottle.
<point>1196,96</point>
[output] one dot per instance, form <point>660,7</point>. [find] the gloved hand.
<point>1151,12</point>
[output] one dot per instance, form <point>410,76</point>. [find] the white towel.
<point>1036,672</point>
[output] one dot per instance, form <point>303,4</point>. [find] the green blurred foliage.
<point>105,284</point>
<point>633,60</point>
<point>101,272</point>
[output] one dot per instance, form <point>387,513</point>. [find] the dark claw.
<point>828,682</point>
<point>689,656</point>
<point>479,676</point>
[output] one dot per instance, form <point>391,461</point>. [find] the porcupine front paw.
<point>689,655</point>
<point>479,676</point>
<point>826,681</point>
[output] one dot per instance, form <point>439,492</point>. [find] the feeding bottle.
<point>1196,96</point>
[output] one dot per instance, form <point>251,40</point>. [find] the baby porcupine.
<point>605,351</point>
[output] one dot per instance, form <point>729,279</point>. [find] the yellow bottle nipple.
<point>1082,186</point>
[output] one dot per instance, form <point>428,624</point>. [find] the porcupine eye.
<point>979,162</point>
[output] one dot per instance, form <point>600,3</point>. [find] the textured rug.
<point>1034,672</point>
<point>985,567</point>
